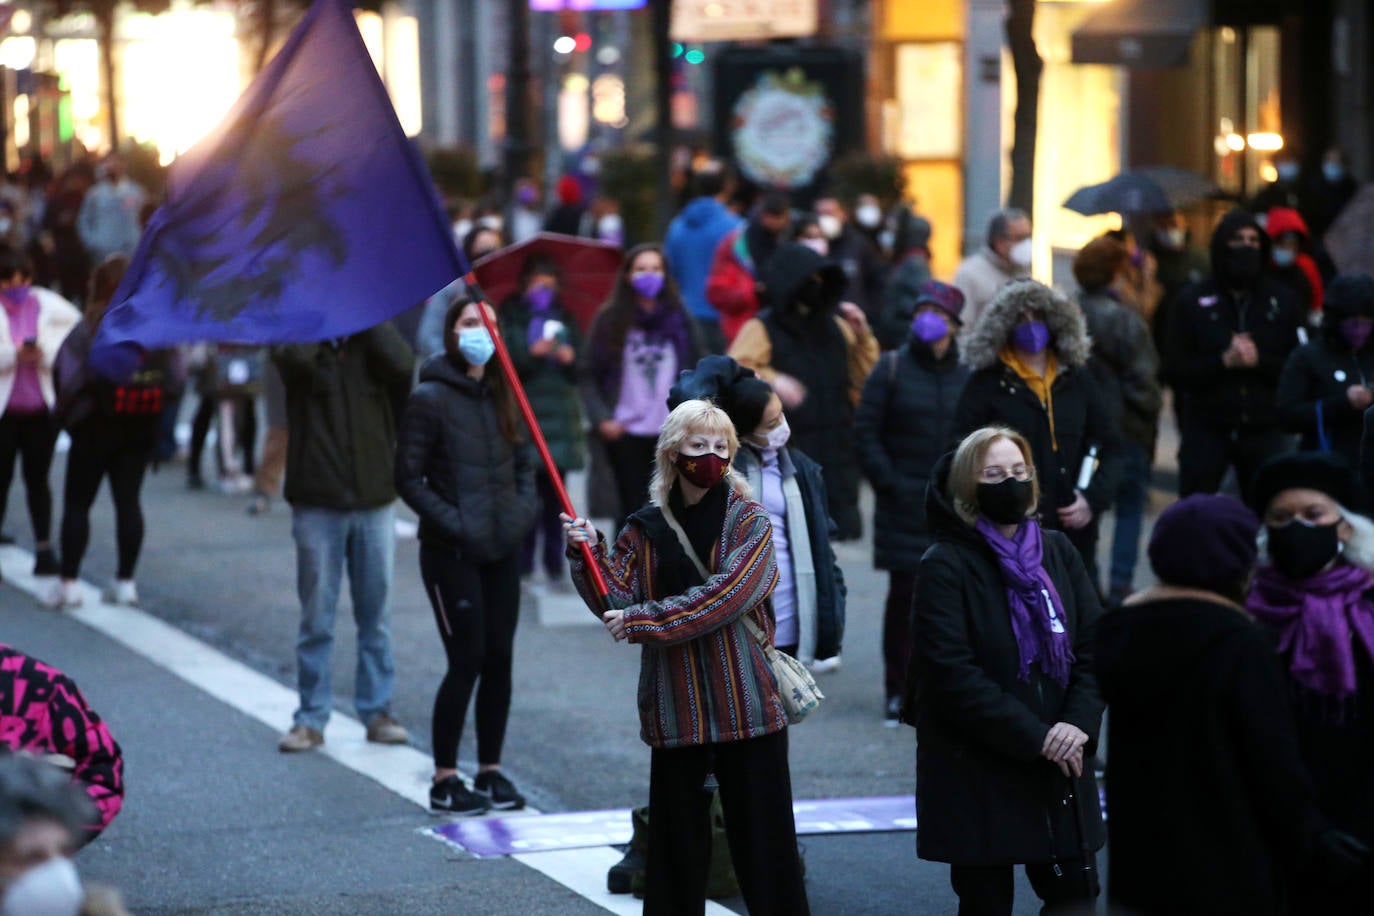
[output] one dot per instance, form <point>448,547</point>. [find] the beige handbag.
<point>796,687</point>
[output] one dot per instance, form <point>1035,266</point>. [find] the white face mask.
<point>50,889</point>
<point>610,227</point>
<point>820,246</point>
<point>1021,253</point>
<point>830,225</point>
<point>778,436</point>
<point>869,215</point>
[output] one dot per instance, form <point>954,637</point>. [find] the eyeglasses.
<point>1021,472</point>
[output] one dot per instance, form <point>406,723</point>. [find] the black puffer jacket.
<point>903,426</point>
<point>1122,346</point>
<point>984,795</point>
<point>1322,371</point>
<point>1203,321</point>
<point>471,487</point>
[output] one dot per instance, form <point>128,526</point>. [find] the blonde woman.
<point>708,702</point>
<point>1001,688</point>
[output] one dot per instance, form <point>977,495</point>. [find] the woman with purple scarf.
<point>1316,593</point>
<point>1000,686</point>
<point>637,344</point>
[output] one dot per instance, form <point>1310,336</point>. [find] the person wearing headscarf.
<point>1001,688</point>
<point>1316,593</point>
<point>1328,383</point>
<point>1029,354</point>
<point>1212,809</point>
<point>901,429</point>
<point>1228,338</point>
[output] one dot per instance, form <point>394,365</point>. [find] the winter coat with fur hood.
<point>1082,416</point>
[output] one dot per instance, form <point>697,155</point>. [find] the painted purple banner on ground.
<point>503,836</point>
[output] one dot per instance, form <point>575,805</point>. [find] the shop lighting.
<point>1235,142</point>
<point>582,42</point>
<point>695,56</point>
<point>564,44</point>
<point>1265,142</point>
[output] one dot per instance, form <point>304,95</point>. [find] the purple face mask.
<point>1030,336</point>
<point>540,297</point>
<point>1356,331</point>
<point>527,196</point>
<point>929,327</point>
<point>647,284</point>
<point>15,295</point>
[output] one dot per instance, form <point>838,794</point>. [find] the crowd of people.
<point>726,401</point>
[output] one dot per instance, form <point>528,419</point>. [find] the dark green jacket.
<point>551,388</point>
<point>342,399</point>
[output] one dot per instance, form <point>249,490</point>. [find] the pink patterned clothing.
<point>42,712</point>
<point>26,397</point>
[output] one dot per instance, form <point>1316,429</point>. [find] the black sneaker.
<point>450,796</point>
<point>45,562</point>
<point>500,790</point>
<point>194,481</point>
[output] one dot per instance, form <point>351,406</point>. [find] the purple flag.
<point>307,214</point>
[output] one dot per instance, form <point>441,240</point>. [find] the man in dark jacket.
<point>1228,341</point>
<point>1124,358</point>
<point>864,268</point>
<point>1230,821</point>
<point>341,401</point>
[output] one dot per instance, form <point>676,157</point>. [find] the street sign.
<point>742,20</point>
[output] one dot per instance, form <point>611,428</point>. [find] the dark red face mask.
<point>703,470</point>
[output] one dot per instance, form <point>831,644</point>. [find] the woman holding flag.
<point>463,465</point>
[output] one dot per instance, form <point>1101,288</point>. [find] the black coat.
<point>472,488</point>
<point>1210,808</point>
<point>1203,321</point>
<point>902,427</point>
<point>984,795</point>
<point>1320,372</point>
<point>1122,346</point>
<point>996,396</point>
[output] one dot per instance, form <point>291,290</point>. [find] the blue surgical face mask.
<point>476,345</point>
<point>1288,171</point>
<point>1333,171</point>
<point>1285,257</point>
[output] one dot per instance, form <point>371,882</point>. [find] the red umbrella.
<point>589,269</point>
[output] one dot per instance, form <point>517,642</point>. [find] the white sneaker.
<point>824,665</point>
<point>65,594</point>
<point>122,592</point>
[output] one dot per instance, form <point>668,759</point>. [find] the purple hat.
<point>1205,541</point>
<point>944,297</point>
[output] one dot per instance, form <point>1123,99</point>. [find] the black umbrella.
<point>1181,186</point>
<point>1147,190</point>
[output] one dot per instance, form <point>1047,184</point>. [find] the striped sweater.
<point>703,679</point>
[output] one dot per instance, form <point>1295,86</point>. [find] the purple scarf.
<point>1319,622</point>
<point>1037,613</point>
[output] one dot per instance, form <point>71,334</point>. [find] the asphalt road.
<point>217,821</point>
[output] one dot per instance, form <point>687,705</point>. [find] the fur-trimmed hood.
<point>1069,341</point>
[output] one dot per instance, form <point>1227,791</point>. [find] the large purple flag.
<point>305,215</point>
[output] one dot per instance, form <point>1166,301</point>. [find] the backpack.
<point>144,394</point>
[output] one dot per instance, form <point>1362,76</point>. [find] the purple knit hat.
<point>944,297</point>
<point>1205,541</point>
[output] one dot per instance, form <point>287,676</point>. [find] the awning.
<point>1139,33</point>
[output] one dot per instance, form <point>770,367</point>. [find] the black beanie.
<point>1205,541</point>
<point>1320,471</point>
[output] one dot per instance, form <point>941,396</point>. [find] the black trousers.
<point>1207,450</point>
<point>29,438</point>
<point>632,463</point>
<point>989,890</point>
<point>548,526</point>
<point>476,607</point>
<point>246,435</point>
<point>901,590</point>
<point>122,455</point>
<point>756,795</point>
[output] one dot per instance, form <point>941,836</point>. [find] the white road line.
<point>400,769</point>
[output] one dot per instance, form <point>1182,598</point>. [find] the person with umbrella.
<point>1228,339</point>
<point>638,343</point>
<point>1000,686</point>
<point>1231,822</point>
<point>1325,386</point>
<point>543,342</point>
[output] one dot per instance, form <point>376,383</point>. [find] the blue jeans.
<point>1131,495</point>
<point>326,539</point>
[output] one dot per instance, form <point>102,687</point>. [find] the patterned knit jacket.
<point>702,678</point>
<point>43,713</point>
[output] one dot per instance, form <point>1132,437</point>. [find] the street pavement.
<point>217,821</point>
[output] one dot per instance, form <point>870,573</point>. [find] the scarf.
<point>1040,385</point>
<point>1320,621</point>
<point>1037,613</point>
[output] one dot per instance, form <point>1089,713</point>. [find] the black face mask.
<point>1005,503</point>
<point>812,295</point>
<point>1299,550</point>
<point>1243,263</point>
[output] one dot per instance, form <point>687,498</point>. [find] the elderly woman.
<point>1029,353</point>
<point>708,701</point>
<point>1316,592</point>
<point>1001,688</point>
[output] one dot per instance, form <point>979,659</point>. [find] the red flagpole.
<point>508,368</point>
